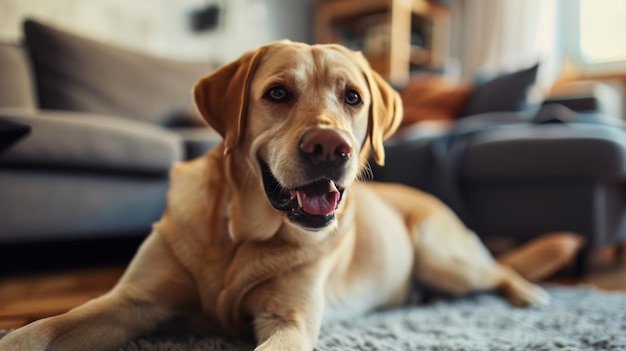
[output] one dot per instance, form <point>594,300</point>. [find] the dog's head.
<point>306,117</point>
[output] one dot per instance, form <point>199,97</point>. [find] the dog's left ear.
<point>222,97</point>
<point>385,112</point>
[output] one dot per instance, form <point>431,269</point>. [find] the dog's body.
<point>269,232</point>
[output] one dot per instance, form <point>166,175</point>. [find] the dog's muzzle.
<point>324,155</point>
<point>311,205</point>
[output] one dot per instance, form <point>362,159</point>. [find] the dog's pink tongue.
<point>319,203</point>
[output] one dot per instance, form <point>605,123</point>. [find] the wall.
<point>163,27</point>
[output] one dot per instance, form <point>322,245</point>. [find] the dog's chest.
<point>376,266</point>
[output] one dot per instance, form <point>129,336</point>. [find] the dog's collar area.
<point>311,205</point>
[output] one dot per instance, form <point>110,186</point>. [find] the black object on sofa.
<point>105,125</point>
<point>11,132</point>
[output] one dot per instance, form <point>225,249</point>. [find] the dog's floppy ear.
<point>385,112</point>
<point>222,97</point>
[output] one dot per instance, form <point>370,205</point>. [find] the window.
<point>602,30</point>
<point>595,31</point>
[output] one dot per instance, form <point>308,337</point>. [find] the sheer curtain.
<point>505,35</point>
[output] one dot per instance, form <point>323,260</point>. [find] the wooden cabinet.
<point>394,35</point>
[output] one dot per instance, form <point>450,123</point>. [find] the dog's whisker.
<point>366,174</point>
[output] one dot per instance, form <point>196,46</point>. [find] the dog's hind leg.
<point>450,257</point>
<point>543,256</point>
<point>146,296</point>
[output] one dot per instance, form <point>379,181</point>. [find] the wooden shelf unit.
<point>395,20</point>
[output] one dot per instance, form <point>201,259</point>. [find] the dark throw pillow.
<point>79,74</point>
<point>508,92</point>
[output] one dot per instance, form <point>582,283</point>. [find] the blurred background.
<point>571,38</point>
<point>170,28</point>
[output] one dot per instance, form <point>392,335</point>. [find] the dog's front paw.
<point>24,339</point>
<point>288,346</point>
<point>285,341</point>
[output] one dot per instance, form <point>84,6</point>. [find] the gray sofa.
<point>103,127</point>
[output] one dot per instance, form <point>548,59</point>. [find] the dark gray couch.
<point>515,175</point>
<point>105,125</point>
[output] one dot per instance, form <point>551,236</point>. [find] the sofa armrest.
<point>61,139</point>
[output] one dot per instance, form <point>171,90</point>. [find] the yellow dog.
<point>271,233</point>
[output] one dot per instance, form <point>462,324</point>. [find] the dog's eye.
<point>277,94</point>
<point>352,98</point>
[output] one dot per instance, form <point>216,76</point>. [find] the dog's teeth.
<point>333,187</point>
<point>299,199</point>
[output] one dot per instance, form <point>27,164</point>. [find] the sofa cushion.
<point>91,142</point>
<point>16,82</point>
<point>508,92</point>
<point>80,74</point>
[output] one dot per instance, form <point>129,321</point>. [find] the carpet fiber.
<point>577,319</point>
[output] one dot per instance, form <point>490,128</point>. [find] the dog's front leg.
<point>149,293</point>
<point>288,312</point>
<point>105,323</point>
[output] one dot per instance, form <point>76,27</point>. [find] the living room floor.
<point>26,297</point>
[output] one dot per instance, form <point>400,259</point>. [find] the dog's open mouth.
<point>311,205</point>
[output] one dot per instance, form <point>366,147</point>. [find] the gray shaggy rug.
<point>579,318</point>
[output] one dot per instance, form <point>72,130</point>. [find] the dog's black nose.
<point>325,147</point>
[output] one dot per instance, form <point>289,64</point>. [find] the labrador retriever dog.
<point>275,231</point>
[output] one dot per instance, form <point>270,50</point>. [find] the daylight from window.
<point>602,30</point>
